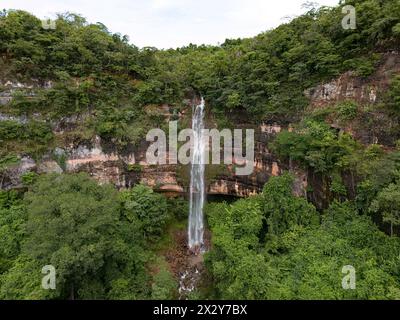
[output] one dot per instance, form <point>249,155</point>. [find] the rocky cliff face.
<point>371,125</point>
<point>368,90</point>
<point>9,87</point>
<point>126,170</point>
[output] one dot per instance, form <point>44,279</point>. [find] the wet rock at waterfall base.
<point>187,267</point>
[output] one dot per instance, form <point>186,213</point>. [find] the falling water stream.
<point>197,188</point>
<point>191,273</point>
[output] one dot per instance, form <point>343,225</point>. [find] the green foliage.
<point>239,273</point>
<point>378,170</point>
<point>373,152</point>
<point>8,161</point>
<point>233,101</point>
<point>178,208</point>
<point>70,225</point>
<point>337,187</point>
<point>75,225</point>
<point>143,206</point>
<point>23,281</point>
<point>396,29</point>
<point>123,126</point>
<point>28,178</point>
<point>12,218</point>
<point>347,110</point>
<point>320,114</point>
<point>33,137</point>
<point>302,262</point>
<point>387,202</point>
<point>312,259</point>
<point>93,72</point>
<point>9,198</point>
<point>265,75</point>
<point>316,145</point>
<point>164,286</point>
<point>393,96</point>
<point>271,246</point>
<point>282,210</point>
<point>61,158</point>
<point>363,66</point>
<point>137,168</point>
<point>75,46</point>
<point>237,262</point>
<point>97,73</point>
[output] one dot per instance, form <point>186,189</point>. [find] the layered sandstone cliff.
<point>128,169</point>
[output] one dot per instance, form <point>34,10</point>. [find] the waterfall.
<point>197,188</point>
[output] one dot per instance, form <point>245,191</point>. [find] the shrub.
<point>347,110</point>
<point>364,66</point>
<point>137,168</point>
<point>149,209</point>
<point>393,95</point>
<point>28,178</point>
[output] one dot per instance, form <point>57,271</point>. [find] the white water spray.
<point>197,188</point>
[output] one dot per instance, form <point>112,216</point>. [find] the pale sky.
<point>174,23</point>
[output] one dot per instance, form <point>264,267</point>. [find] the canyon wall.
<point>126,170</point>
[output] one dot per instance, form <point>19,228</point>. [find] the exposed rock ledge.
<point>125,171</point>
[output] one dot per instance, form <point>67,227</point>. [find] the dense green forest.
<point>105,243</point>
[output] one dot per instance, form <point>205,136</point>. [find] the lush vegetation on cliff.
<point>101,72</point>
<point>271,246</point>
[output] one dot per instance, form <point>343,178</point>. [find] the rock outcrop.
<point>130,168</point>
<point>371,125</point>
<point>369,90</point>
<point>126,170</point>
